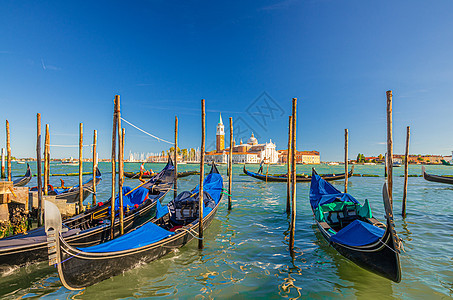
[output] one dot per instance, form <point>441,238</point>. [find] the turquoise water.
<point>246,249</point>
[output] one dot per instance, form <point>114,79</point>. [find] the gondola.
<point>180,174</point>
<point>350,228</point>
<point>437,178</point>
<point>446,163</point>
<point>71,195</point>
<point>24,179</point>
<point>91,227</point>
<point>299,178</point>
<point>174,225</point>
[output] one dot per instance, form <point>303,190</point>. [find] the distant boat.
<point>24,179</point>
<point>437,178</point>
<point>299,177</point>
<point>333,163</point>
<point>370,164</point>
<point>446,163</point>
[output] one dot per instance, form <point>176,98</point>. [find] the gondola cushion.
<point>362,211</point>
<point>358,233</point>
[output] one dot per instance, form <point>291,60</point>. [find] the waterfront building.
<point>302,157</point>
<point>250,153</point>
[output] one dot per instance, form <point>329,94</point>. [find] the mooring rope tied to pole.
<point>151,135</point>
<point>69,146</point>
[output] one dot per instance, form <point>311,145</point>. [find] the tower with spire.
<point>220,136</point>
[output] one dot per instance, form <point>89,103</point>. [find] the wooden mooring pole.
<point>175,158</point>
<point>95,140</point>
<point>120,165</point>
<point>113,161</point>
<point>3,163</point>
<point>293,175</point>
<point>80,167</point>
<point>406,171</point>
<point>390,146</point>
<point>48,154</point>
<point>230,165</point>
<point>288,165</point>
<point>38,160</point>
<point>346,172</point>
<point>8,150</point>
<point>200,194</point>
<point>46,157</point>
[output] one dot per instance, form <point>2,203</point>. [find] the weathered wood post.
<point>120,166</point>
<point>406,171</point>
<point>113,161</point>
<point>293,175</point>
<point>230,165</point>
<point>38,161</point>
<point>200,194</point>
<point>288,165</point>
<point>346,172</point>
<point>48,154</point>
<point>175,156</point>
<point>46,157</point>
<point>8,150</point>
<point>390,146</point>
<point>3,163</point>
<point>80,168</point>
<point>95,140</point>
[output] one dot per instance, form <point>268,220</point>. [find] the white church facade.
<point>250,153</point>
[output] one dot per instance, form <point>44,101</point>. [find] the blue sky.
<point>67,60</point>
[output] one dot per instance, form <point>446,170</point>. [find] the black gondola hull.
<point>78,271</point>
<point>379,258</point>
<point>37,252</point>
<point>299,178</point>
<point>180,174</point>
<point>24,179</point>
<point>437,178</point>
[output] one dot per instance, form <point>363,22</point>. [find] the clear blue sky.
<point>67,60</point>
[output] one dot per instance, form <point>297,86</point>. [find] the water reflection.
<point>288,288</point>
<point>353,279</point>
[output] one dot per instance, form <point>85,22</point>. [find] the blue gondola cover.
<point>147,234</point>
<point>322,192</point>
<point>358,233</point>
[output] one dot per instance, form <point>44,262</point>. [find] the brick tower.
<point>220,136</point>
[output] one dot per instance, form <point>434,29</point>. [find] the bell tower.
<point>220,136</point>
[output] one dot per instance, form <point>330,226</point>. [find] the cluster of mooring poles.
<point>117,130</point>
<point>389,156</point>
<point>43,174</point>
<point>230,170</point>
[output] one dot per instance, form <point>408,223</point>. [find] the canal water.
<point>246,253</point>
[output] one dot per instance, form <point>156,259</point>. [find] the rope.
<point>190,232</point>
<point>69,146</point>
<point>157,138</point>
<point>64,260</point>
<point>396,252</point>
<point>227,194</point>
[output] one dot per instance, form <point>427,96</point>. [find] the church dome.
<point>252,140</point>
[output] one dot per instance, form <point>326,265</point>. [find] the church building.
<point>251,153</point>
